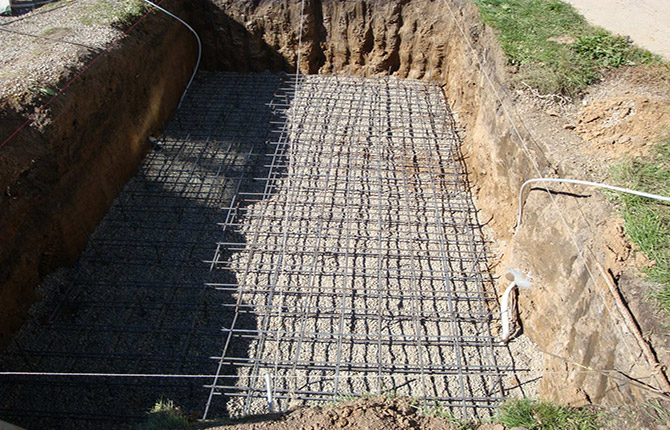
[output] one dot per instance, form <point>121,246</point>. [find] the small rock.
<point>518,428</point>
<point>569,126</point>
<point>406,409</point>
<point>491,427</point>
<point>565,40</point>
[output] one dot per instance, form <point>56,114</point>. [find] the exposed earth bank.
<point>59,175</point>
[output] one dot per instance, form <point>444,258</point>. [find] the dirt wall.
<point>60,175</point>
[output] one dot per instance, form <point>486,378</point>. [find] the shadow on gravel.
<point>138,300</point>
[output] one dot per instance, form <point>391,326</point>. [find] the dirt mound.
<point>623,125</point>
<point>368,413</point>
<point>625,113</point>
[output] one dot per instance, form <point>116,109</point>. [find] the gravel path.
<point>647,22</point>
<point>41,47</point>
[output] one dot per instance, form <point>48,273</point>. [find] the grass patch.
<point>438,411</point>
<point>165,416</point>
<point>647,222</point>
<point>659,414</point>
<point>535,415</point>
<point>553,47</point>
<point>118,13</point>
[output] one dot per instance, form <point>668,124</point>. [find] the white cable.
<point>197,63</point>
<point>580,182</point>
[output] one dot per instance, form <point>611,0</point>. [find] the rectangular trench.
<point>351,262</point>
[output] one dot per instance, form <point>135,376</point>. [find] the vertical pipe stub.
<point>517,280</point>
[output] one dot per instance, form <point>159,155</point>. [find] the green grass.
<point>439,411</point>
<point>165,416</point>
<point>535,415</point>
<point>647,222</point>
<point>118,13</point>
<point>556,67</point>
<point>658,413</point>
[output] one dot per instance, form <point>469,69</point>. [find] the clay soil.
<point>620,118</point>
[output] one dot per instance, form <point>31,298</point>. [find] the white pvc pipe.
<point>504,312</point>
<point>268,392</point>
<point>580,182</point>
<point>197,63</point>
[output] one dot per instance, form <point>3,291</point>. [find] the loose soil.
<point>619,118</point>
<point>368,413</point>
<point>382,413</point>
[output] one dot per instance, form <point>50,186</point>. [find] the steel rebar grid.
<point>136,303</point>
<point>360,265</point>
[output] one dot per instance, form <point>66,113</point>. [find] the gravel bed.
<point>365,269</point>
<point>357,304</point>
<point>136,302</point>
<point>42,47</point>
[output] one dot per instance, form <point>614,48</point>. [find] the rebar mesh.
<point>136,301</point>
<point>351,262</point>
<point>361,262</point>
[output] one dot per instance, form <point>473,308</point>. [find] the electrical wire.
<point>580,182</point>
<point>37,36</point>
<point>197,63</point>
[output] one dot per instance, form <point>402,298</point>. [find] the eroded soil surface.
<point>619,118</point>
<point>400,413</point>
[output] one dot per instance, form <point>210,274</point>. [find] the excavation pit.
<point>350,262</point>
<point>313,234</point>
